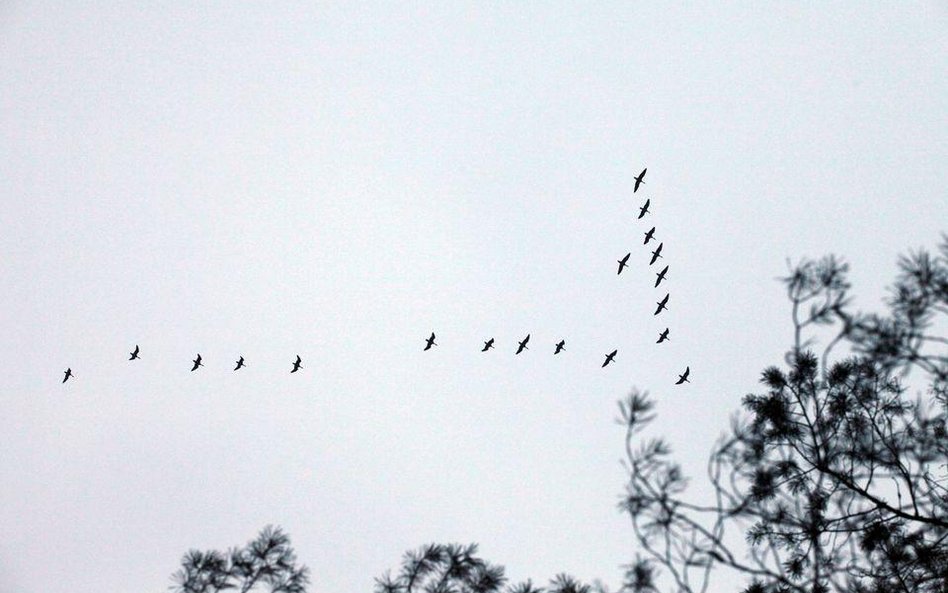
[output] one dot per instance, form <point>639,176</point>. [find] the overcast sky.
<point>339,180</point>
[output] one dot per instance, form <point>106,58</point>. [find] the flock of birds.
<point>559,346</point>
<point>195,364</point>
<point>623,263</point>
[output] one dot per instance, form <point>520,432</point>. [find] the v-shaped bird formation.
<point>660,277</point>
<point>559,347</point>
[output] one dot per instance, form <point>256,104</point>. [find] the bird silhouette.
<point>430,342</point>
<point>663,336</point>
<point>644,209</point>
<point>657,253</point>
<point>638,180</point>
<point>298,364</point>
<point>610,357</point>
<point>661,304</point>
<point>488,345</point>
<point>197,363</point>
<point>240,363</point>
<point>661,276</point>
<point>560,346</point>
<point>683,378</point>
<point>523,344</point>
<point>68,374</point>
<point>622,262</point>
<point>649,235</point>
<point>134,353</point>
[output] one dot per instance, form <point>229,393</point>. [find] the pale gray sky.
<point>339,180</point>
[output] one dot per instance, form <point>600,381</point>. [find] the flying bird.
<point>134,353</point>
<point>68,374</point>
<point>488,345</point>
<point>638,180</point>
<point>197,363</point>
<point>683,378</point>
<point>644,209</point>
<point>610,357</point>
<point>661,304</point>
<point>663,336</point>
<point>560,346</point>
<point>657,253</point>
<point>661,276</point>
<point>430,342</point>
<point>622,262</point>
<point>240,363</point>
<point>298,364</point>
<point>523,344</point>
<point>648,235</point>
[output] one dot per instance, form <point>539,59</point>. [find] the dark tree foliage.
<point>834,474</point>
<point>453,568</point>
<point>267,563</point>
